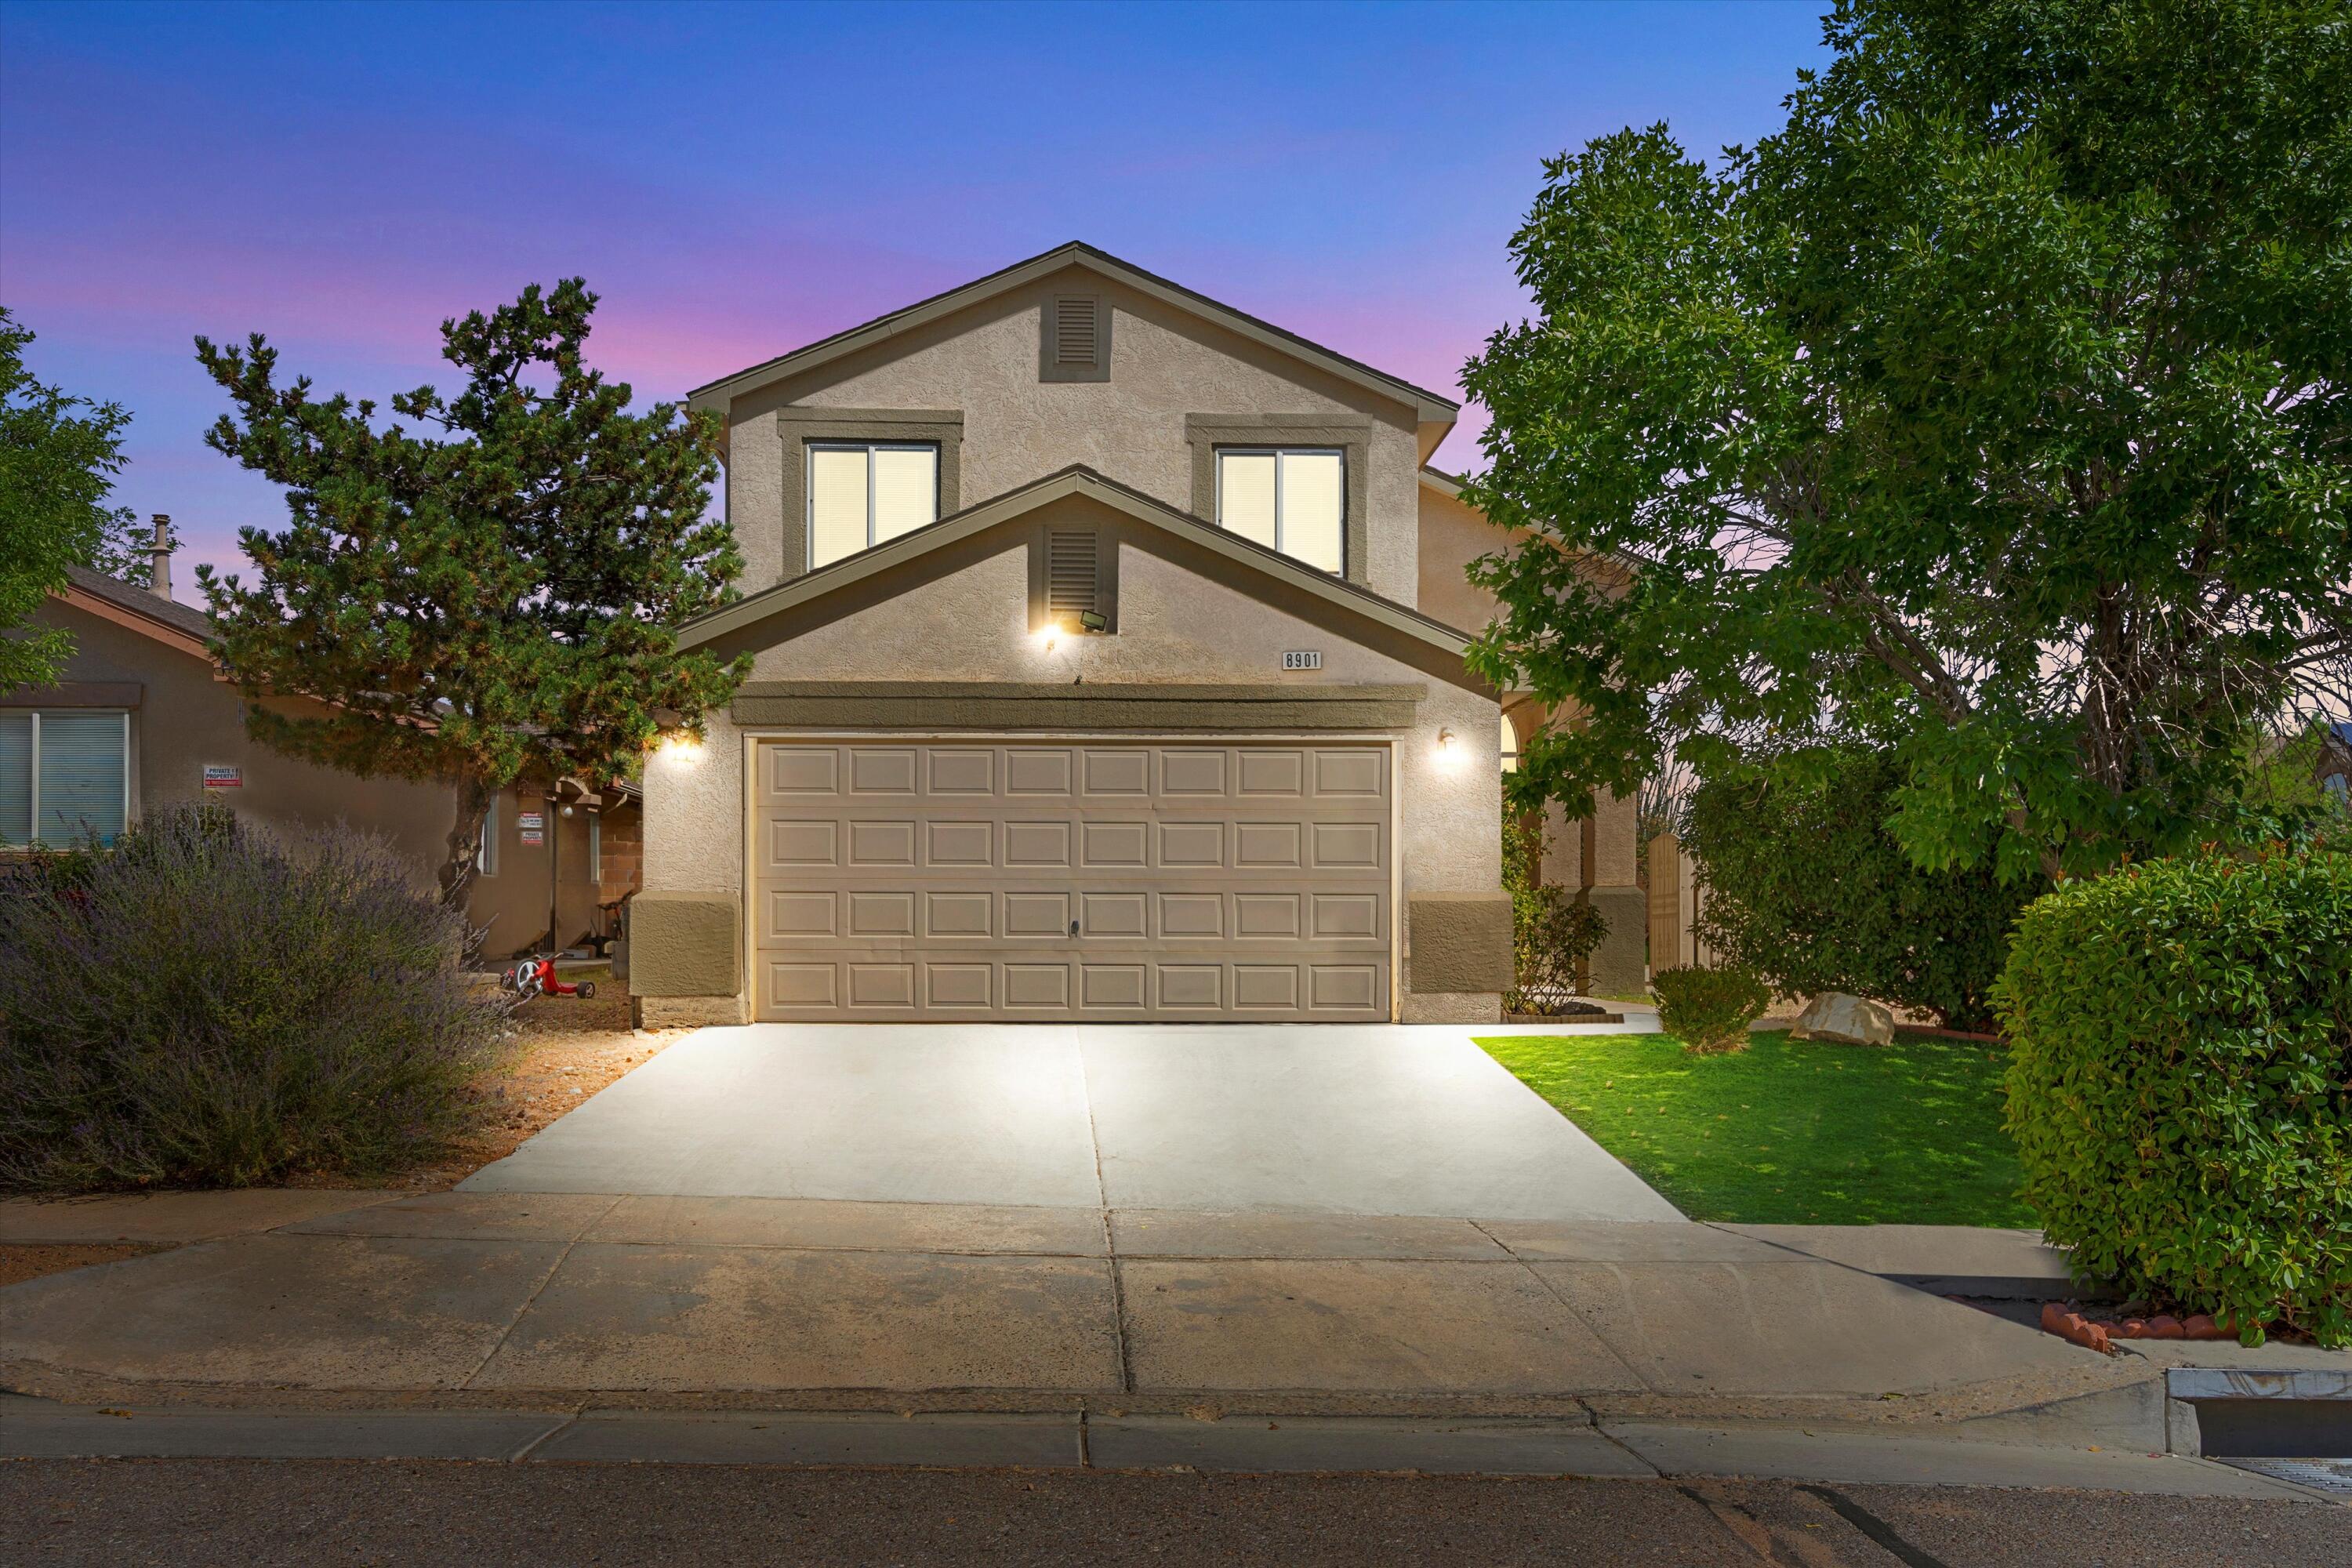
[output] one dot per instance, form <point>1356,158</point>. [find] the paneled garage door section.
<point>1071,880</point>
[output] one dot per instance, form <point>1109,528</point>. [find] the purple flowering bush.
<point>208,1002</point>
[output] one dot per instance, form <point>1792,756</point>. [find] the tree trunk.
<point>474,798</point>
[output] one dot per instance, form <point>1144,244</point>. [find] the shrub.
<point>2181,1078</point>
<point>208,1002</point>
<point>1553,931</point>
<point>1710,1009</point>
<point>1805,885</point>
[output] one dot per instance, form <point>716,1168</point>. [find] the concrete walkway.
<point>1377,1120</point>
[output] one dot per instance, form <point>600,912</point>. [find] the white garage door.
<point>1071,880</point>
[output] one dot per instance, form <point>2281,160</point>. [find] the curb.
<point>35,1429</point>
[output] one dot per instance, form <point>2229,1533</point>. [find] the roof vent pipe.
<point>159,578</point>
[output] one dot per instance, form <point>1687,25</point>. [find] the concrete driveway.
<point>1341,1119</point>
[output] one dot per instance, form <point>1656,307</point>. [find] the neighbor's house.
<point>142,719</point>
<point>1107,658</point>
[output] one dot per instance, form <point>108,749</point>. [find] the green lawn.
<point>1791,1133</point>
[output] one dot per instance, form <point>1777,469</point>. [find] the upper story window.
<point>63,773</point>
<point>863,493</point>
<point>1294,498</point>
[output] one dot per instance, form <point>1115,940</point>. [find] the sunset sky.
<point>736,179</point>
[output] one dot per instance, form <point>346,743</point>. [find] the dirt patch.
<point>20,1261</point>
<point>564,1050</point>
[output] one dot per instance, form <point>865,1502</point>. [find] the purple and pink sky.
<point>737,179</point>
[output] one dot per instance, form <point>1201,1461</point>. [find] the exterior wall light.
<point>682,746</point>
<point>1449,750</point>
<point>1048,634</point>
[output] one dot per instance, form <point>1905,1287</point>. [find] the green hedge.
<point>1806,887</point>
<point>2182,1080</point>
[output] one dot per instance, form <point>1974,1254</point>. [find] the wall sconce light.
<point>567,808</point>
<point>1449,750</point>
<point>1445,740</point>
<point>682,746</point>
<point>1048,634</point>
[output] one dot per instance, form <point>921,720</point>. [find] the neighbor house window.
<point>1510,738</point>
<point>486,853</point>
<point>862,494</point>
<point>1292,499</point>
<point>64,775</point>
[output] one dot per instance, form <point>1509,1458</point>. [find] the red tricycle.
<point>536,977</point>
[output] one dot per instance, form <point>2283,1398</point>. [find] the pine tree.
<point>487,593</point>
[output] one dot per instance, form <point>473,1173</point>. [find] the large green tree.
<point>491,593</point>
<point>1998,407</point>
<point>58,458</point>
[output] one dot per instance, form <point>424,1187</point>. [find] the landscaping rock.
<point>1845,1020</point>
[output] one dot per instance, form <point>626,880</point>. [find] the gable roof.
<point>1430,407</point>
<point>1436,645</point>
<point>183,626</point>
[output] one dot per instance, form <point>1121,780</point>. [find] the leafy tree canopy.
<point>58,458</point>
<point>1806,887</point>
<point>1996,408</point>
<point>491,593</point>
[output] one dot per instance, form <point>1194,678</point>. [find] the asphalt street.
<point>253,1513</point>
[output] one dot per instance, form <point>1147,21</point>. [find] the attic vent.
<point>1070,575</point>
<point>1075,340</point>
<point>1073,343</point>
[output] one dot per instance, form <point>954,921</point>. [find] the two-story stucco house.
<point>1108,665</point>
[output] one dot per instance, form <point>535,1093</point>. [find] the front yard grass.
<point>1791,1133</point>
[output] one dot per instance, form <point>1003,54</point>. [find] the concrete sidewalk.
<point>496,1295</point>
<point>487,1302</point>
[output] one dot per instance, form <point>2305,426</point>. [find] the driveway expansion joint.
<point>523,1312</point>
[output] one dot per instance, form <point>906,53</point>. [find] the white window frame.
<point>1218,457</point>
<point>33,766</point>
<point>808,508</point>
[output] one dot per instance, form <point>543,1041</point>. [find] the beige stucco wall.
<point>1166,364</point>
<point>1452,536</point>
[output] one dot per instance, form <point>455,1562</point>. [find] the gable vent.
<point>1078,336</point>
<point>1071,585</point>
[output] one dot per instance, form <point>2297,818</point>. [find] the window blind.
<point>1245,495</point>
<point>1313,499</point>
<point>80,776</point>
<point>837,506</point>
<point>906,489</point>
<point>15,779</point>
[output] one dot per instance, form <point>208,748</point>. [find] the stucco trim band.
<point>1459,942</point>
<point>1207,432</point>
<point>984,705</point>
<point>685,943</point>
